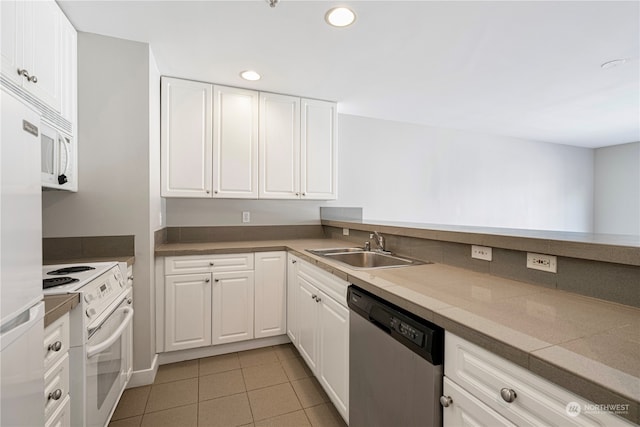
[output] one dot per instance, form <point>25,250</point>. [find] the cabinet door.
<point>232,307</point>
<point>307,317</point>
<point>69,74</point>
<point>186,138</point>
<point>292,299</point>
<point>11,38</point>
<point>187,311</point>
<point>270,294</point>
<point>42,52</point>
<point>235,143</point>
<point>279,146</point>
<point>318,165</point>
<point>334,352</point>
<point>465,410</point>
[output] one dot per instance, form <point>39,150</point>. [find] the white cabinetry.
<point>320,325</point>
<point>186,144</point>
<point>270,294</point>
<point>489,390</point>
<point>209,139</point>
<point>219,299</point>
<point>56,368</point>
<point>297,148</point>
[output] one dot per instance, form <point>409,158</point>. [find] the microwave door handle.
<point>92,350</point>
<point>66,149</point>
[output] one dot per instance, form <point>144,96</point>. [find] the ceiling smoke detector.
<point>272,3</point>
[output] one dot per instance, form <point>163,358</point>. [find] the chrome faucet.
<point>379,240</point>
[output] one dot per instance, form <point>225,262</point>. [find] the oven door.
<point>108,356</point>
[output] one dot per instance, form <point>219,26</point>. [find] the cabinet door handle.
<point>216,280</point>
<point>207,280</point>
<point>293,261</point>
<point>318,299</point>
<point>208,192</point>
<point>25,73</point>
<point>314,296</point>
<point>446,401</point>
<point>508,394</point>
<point>304,194</point>
<point>211,264</point>
<point>56,346</point>
<point>55,395</point>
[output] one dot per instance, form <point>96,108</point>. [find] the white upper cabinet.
<point>279,146</point>
<point>31,48</point>
<point>318,169</point>
<point>235,143</point>
<point>186,138</point>
<point>226,142</point>
<point>69,76</point>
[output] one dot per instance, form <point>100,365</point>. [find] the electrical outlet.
<point>345,231</point>
<point>481,252</point>
<point>542,262</point>
<point>246,216</point>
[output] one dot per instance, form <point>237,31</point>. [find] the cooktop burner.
<point>57,281</point>
<point>70,270</point>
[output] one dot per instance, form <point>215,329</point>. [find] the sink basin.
<point>358,258</point>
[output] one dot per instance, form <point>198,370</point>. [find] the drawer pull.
<point>56,346</point>
<point>508,395</point>
<point>207,280</point>
<point>293,261</point>
<point>55,395</point>
<point>446,401</point>
<point>211,264</point>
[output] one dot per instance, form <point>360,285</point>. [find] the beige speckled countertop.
<point>128,259</point>
<point>55,306</point>
<point>586,345</point>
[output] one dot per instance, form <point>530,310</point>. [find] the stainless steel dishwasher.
<point>395,365</point>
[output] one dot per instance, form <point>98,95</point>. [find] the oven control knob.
<point>88,297</point>
<point>91,312</point>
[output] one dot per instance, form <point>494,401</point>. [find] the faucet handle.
<point>367,246</point>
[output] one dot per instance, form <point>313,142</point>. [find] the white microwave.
<point>58,165</point>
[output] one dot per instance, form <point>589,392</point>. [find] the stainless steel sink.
<point>358,258</point>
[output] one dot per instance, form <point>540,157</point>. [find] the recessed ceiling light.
<point>250,75</point>
<point>614,63</point>
<point>340,17</point>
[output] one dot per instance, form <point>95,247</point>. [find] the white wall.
<point>617,189</point>
<point>114,165</point>
<point>403,172</point>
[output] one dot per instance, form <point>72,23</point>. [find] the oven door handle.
<point>92,350</point>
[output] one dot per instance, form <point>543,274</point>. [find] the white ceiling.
<point>524,69</point>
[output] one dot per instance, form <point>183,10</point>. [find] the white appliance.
<point>56,159</point>
<point>101,336</point>
<point>21,306</point>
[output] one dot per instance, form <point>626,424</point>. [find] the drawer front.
<point>56,341</point>
<point>331,285</point>
<point>56,386</point>
<point>208,263</point>
<point>538,402</point>
<point>465,410</point>
<point>62,417</point>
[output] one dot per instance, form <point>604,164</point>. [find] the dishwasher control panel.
<point>407,331</point>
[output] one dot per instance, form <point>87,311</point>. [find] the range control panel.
<point>407,331</point>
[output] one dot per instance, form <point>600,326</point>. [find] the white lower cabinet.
<point>56,376</point>
<point>218,299</point>
<point>482,388</point>
<point>319,325</point>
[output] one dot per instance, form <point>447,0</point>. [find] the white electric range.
<point>101,336</point>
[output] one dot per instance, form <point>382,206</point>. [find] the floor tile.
<point>273,401</point>
<point>309,392</point>
<point>177,371</point>
<point>293,419</point>
<point>215,364</point>
<point>183,416</point>
<point>220,384</point>
<point>132,402</point>
<point>127,422</point>
<point>324,415</point>
<point>259,356</point>
<point>286,351</point>
<point>225,411</point>
<point>173,394</point>
<point>296,369</point>
<point>264,375</point>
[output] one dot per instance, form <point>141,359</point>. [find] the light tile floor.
<point>270,386</point>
